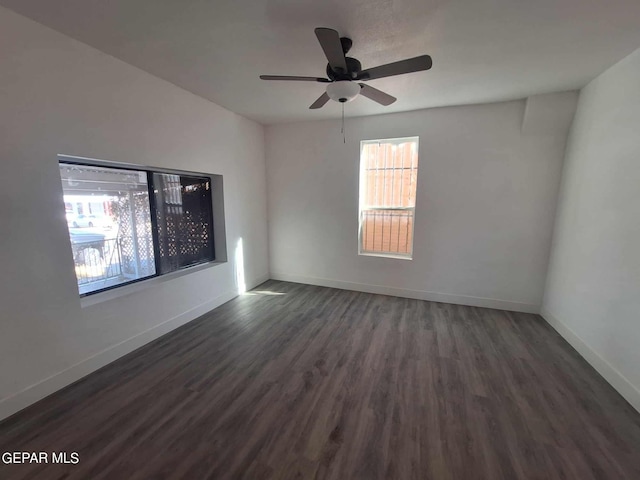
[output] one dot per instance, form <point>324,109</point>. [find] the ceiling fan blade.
<point>410,65</point>
<point>330,42</point>
<point>324,98</point>
<point>297,79</point>
<point>376,95</point>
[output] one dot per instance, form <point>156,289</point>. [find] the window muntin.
<point>120,218</point>
<point>388,180</point>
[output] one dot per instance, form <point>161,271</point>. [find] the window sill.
<point>386,255</point>
<point>141,285</point>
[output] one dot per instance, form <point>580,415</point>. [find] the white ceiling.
<point>483,50</point>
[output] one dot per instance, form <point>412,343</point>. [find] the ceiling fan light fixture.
<point>343,91</point>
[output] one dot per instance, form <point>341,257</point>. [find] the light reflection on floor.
<point>263,292</point>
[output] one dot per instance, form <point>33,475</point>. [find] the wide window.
<point>127,224</point>
<point>388,179</point>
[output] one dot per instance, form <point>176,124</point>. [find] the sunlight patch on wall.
<point>240,282</point>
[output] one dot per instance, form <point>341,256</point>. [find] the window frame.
<point>149,171</point>
<point>362,207</point>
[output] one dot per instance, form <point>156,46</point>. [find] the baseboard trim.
<point>44,388</point>
<point>416,294</point>
<point>618,381</point>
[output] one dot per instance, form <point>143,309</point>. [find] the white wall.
<point>487,187</point>
<point>58,96</point>
<point>593,288</point>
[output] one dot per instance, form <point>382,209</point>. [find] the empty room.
<point>301,239</point>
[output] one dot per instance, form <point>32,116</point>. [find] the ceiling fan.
<point>345,73</point>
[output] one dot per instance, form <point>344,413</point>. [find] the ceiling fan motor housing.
<point>343,91</point>
<point>353,68</point>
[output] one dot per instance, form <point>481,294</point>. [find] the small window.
<point>127,224</point>
<point>388,179</point>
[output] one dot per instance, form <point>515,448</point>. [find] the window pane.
<point>109,222</point>
<point>389,173</point>
<point>389,231</point>
<point>185,220</point>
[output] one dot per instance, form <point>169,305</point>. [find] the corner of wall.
<point>549,113</point>
<point>618,381</point>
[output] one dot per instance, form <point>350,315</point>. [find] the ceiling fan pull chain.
<point>344,136</point>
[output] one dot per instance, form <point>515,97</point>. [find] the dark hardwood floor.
<point>300,382</point>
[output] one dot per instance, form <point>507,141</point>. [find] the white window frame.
<point>362,207</point>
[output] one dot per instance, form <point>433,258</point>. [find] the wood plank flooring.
<point>300,382</point>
